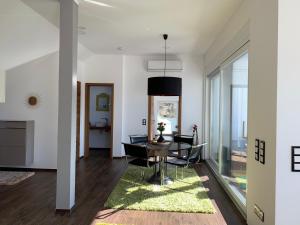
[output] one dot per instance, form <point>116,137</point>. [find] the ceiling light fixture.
<point>165,86</point>
<point>98,3</point>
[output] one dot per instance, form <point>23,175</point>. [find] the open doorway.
<point>99,105</point>
<point>166,109</point>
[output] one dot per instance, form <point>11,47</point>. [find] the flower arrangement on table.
<point>195,128</point>
<point>161,128</point>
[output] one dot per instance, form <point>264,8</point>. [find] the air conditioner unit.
<point>159,65</point>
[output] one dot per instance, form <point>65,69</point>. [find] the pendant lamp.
<point>163,85</point>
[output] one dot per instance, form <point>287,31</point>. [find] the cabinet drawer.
<point>12,156</point>
<point>12,137</point>
<point>12,124</point>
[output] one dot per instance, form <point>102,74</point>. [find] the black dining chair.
<point>193,157</point>
<point>183,138</point>
<point>178,138</point>
<point>138,139</point>
<point>139,156</point>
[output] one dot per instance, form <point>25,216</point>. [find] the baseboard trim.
<point>27,169</point>
<point>119,157</point>
<point>65,211</point>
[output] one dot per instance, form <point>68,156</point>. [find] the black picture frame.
<point>262,152</point>
<point>293,158</point>
<point>256,152</point>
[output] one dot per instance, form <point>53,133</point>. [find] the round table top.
<point>173,146</point>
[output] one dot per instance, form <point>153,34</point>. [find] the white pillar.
<point>288,113</point>
<point>274,109</point>
<point>66,155</point>
<point>262,109</point>
<point>2,86</point>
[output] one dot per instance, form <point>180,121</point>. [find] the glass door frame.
<point>211,163</point>
<point>212,76</point>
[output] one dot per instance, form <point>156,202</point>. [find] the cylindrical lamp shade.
<point>164,86</point>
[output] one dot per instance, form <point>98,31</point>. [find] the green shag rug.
<point>183,195</point>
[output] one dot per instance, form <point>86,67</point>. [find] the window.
<point>228,125</point>
<point>166,111</point>
<point>215,83</point>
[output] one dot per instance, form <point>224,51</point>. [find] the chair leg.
<point>143,174</point>
<point>162,173</point>
<point>181,172</point>
<point>176,172</point>
<point>166,166</point>
<point>155,166</point>
<point>163,176</point>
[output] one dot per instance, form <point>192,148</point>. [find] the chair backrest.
<point>139,151</point>
<point>134,139</point>
<point>184,138</point>
<point>194,153</point>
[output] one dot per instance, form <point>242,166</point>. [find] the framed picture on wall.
<point>102,102</point>
<point>168,109</point>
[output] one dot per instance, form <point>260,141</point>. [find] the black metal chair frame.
<point>138,139</point>
<point>184,138</point>
<point>139,153</point>
<point>193,157</point>
<point>189,139</point>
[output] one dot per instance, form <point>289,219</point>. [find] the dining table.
<point>160,152</point>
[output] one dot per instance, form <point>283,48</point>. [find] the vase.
<point>195,138</point>
<point>160,138</point>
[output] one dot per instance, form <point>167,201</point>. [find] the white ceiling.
<point>25,35</point>
<point>137,25</point>
<point>29,28</point>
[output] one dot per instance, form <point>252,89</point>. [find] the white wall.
<point>39,77</point>
<point>109,69</point>
<point>36,77</point>
<point>136,99</point>
<point>2,86</point>
<point>262,109</point>
<point>99,138</point>
<point>129,76</point>
<point>233,36</point>
<point>288,112</point>
<point>81,78</point>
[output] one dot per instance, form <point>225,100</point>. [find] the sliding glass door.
<point>215,83</point>
<point>228,125</point>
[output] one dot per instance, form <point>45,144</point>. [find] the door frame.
<point>150,109</point>
<point>87,117</point>
<point>78,119</point>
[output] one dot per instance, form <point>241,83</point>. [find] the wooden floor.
<point>32,202</point>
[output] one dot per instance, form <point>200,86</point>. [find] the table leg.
<point>166,165</point>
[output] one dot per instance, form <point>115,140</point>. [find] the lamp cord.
<point>165,57</point>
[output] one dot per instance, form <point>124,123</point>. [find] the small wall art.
<point>102,102</point>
